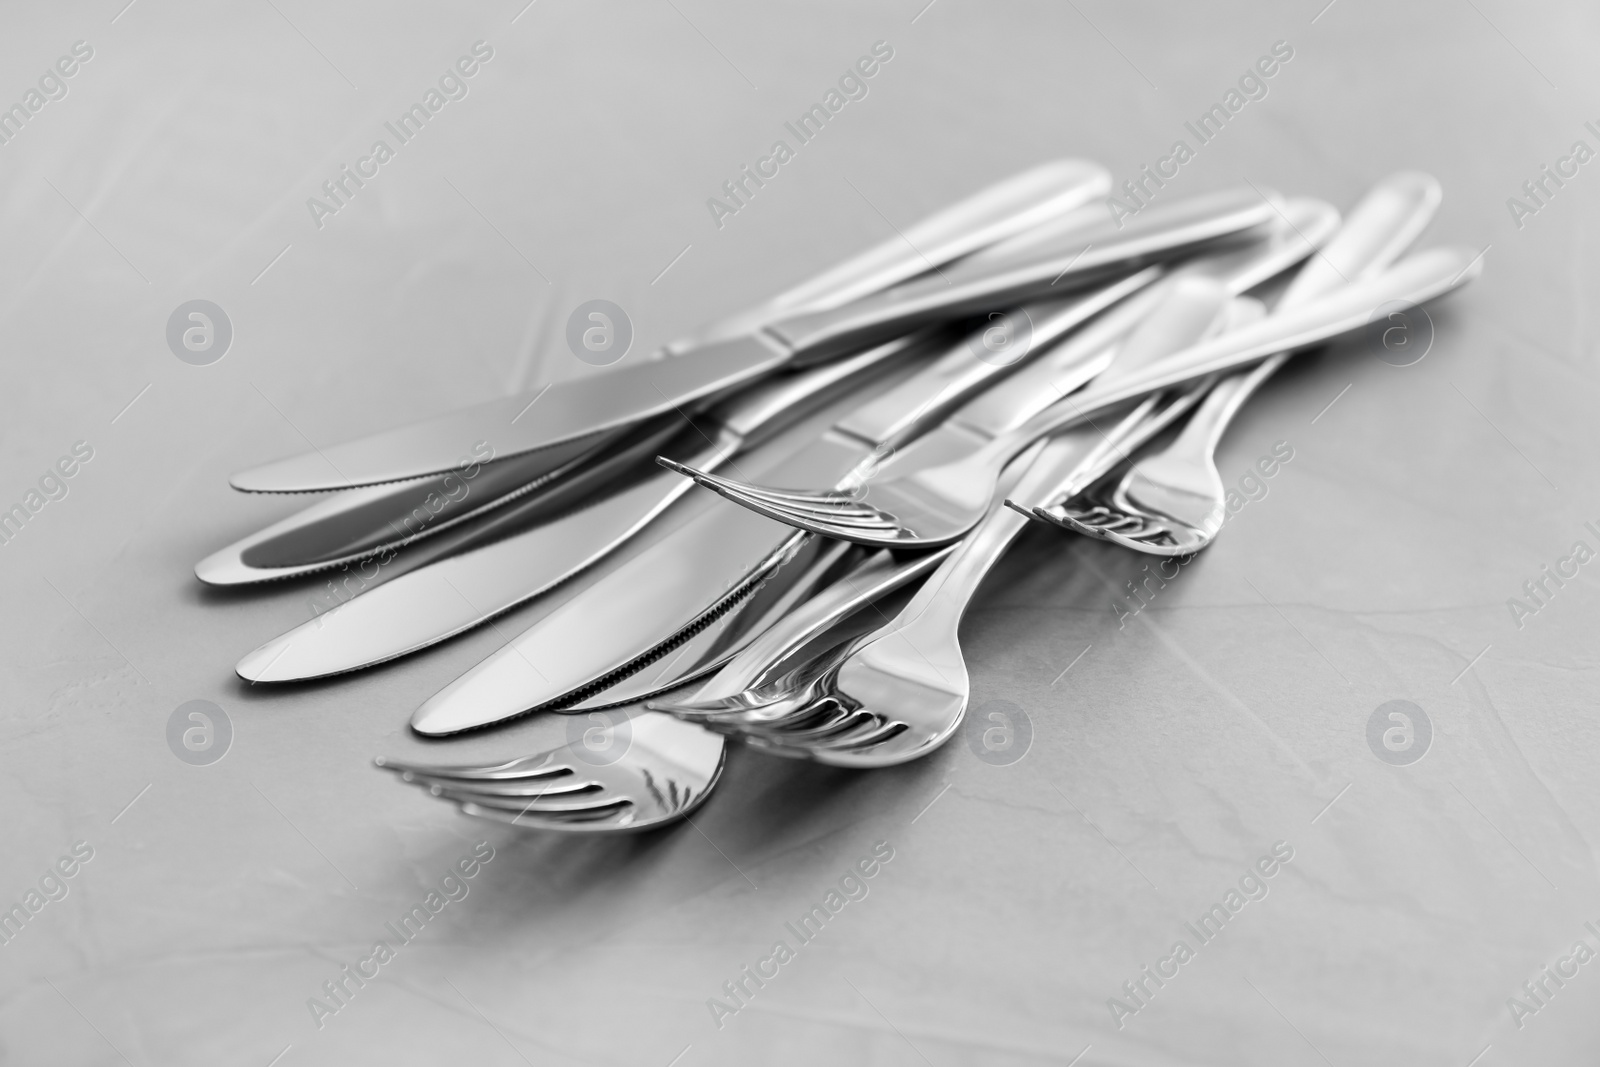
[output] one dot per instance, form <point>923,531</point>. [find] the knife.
<point>438,601</point>
<point>704,569</point>
<point>358,524</point>
<point>575,409</point>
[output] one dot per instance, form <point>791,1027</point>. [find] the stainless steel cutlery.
<point>1019,348</point>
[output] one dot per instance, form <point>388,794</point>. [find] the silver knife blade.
<point>589,405</point>
<point>358,524</point>
<point>727,549</point>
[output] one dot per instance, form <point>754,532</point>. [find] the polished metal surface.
<point>946,480</point>
<point>1172,502</point>
<point>900,692</point>
<point>1083,256</point>
<point>1368,717</point>
<point>755,678</point>
<point>359,524</point>
<point>935,505</point>
<point>626,773</point>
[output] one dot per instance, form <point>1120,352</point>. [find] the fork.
<point>936,505</point>
<point>649,770</point>
<point>777,699</point>
<point>899,692</point>
<point>762,685</point>
<point>1171,502</point>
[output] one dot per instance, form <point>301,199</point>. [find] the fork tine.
<point>538,820</point>
<point>477,787</point>
<point>726,486</point>
<point>836,729</point>
<point>537,806</point>
<point>813,713</point>
<point>879,533</point>
<point>542,765</point>
<point>719,484</point>
<point>831,509</point>
<point>851,524</point>
<point>1137,531</point>
<point>833,516</point>
<point>884,731</point>
<point>797,497</point>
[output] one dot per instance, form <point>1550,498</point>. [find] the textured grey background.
<point>1178,749</point>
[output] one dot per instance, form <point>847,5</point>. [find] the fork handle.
<point>1381,227</point>
<point>1207,425</point>
<point>1037,473</point>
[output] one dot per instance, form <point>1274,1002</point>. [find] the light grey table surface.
<point>1180,746</point>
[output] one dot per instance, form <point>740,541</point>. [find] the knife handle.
<point>1015,205</point>
<point>1084,256</point>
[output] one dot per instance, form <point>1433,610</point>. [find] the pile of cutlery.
<point>1025,358</point>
